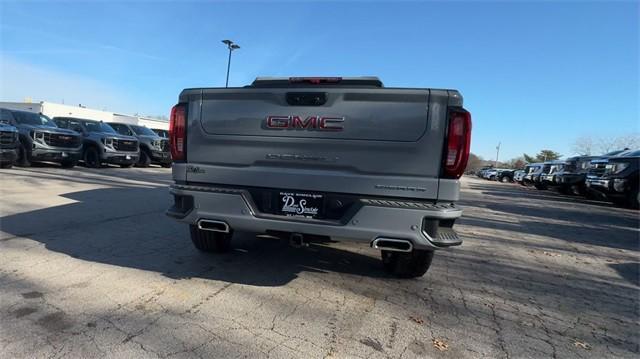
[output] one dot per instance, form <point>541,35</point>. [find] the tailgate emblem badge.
<point>194,169</point>
<point>311,123</point>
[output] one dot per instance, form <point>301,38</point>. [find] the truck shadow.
<point>127,227</point>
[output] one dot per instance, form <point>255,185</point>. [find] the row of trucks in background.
<point>27,137</point>
<point>612,176</point>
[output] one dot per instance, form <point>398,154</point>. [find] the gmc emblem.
<point>312,123</point>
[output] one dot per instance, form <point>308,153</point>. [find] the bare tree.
<point>517,163</point>
<point>631,141</point>
<point>589,145</point>
<point>475,163</point>
<point>606,144</point>
<point>610,143</point>
<point>583,146</point>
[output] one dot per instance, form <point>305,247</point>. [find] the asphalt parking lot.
<point>91,267</point>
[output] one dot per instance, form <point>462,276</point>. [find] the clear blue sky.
<point>534,75</point>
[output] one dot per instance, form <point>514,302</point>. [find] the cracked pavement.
<point>91,267</point>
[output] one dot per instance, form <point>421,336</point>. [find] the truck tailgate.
<point>379,142</point>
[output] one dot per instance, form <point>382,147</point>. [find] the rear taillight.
<point>458,143</point>
<point>178,132</point>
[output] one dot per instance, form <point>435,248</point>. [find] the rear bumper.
<point>427,226</point>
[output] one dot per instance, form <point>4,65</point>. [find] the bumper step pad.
<point>447,237</point>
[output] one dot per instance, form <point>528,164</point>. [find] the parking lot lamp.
<point>231,46</point>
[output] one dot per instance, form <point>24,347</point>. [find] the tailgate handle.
<point>306,98</point>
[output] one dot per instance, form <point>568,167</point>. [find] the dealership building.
<point>51,110</point>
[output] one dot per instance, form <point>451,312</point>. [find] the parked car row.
<point>27,137</point>
<point>613,176</point>
<point>497,174</point>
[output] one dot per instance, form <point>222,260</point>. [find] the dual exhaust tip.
<point>297,239</point>
<point>392,245</point>
<point>213,225</point>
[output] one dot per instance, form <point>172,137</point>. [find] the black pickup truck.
<point>619,179</point>
<point>572,177</point>
<point>8,145</point>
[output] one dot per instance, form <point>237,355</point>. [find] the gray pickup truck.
<point>153,148</point>
<point>101,143</point>
<point>340,159</point>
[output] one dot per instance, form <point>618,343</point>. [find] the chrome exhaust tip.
<point>213,225</point>
<point>392,245</point>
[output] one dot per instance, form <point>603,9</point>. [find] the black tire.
<point>208,241</point>
<point>407,265</point>
<point>504,179</point>
<point>144,160</point>
<point>6,165</point>
<point>126,165</point>
<point>68,163</point>
<point>492,178</point>
<point>540,186</point>
<point>166,165</point>
<point>92,157</point>
<point>23,157</point>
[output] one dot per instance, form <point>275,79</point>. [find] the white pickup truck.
<point>344,159</point>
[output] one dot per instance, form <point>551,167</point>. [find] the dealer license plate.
<point>301,204</point>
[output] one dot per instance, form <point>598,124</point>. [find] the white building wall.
<point>142,121</point>
<point>153,123</point>
<point>54,110</point>
<point>22,106</point>
<point>132,120</point>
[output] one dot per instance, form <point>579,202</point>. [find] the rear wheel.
<point>407,265</point>
<point>91,157</point>
<point>126,165</point>
<point>23,157</point>
<point>208,241</point>
<point>166,165</point>
<point>504,179</point>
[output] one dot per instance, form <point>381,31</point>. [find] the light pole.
<point>231,46</point>
<point>497,153</point>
